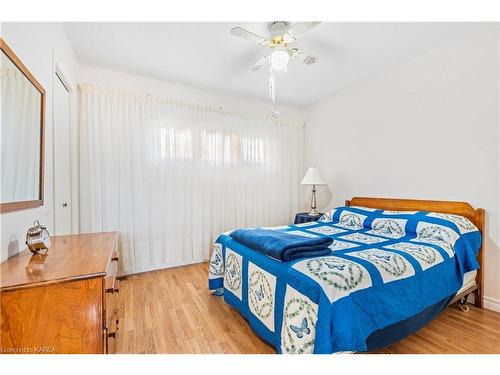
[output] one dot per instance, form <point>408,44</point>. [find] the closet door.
<point>62,158</point>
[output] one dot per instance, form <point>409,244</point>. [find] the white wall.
<point>425,129</point>
<point>36,44</point>
<point>191,94</point>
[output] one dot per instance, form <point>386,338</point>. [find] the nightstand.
<point>303,217</point>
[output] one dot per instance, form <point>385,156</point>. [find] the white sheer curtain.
<point>20,104</point>
<point>171,176</point>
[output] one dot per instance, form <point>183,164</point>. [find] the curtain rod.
<point>87,87</point>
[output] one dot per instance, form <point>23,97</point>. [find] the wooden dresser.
<point>61,302</point>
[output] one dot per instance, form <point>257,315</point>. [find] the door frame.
<point>59,72</point>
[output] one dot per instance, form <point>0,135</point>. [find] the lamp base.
<point>313,212</point>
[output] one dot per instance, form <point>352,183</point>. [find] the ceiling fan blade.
<point>259,63</point>
<point>248,35</point>
<point>309,59</point>
<point>306,59</point>
<point>300,28</point>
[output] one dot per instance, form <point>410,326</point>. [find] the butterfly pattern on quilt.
<point>303,329</point>
<point>261,291</point>
<point>216,266</point>
<point>391,266</point>
<point>439,235</point>
<point>233,274</point>
<point>426,256</point>
<point>351,220</point>
<point>392,228</point>
<point>327,216</point>
<point>363,238</point>
<point>327,230</point>
<point>338,277</point>
<point>299,323</point>
<point>342,245</point>
<point>463,224</point>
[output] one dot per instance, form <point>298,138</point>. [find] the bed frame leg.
<point>218,292</point>
<point>462,304</point>
<point>478,297</point>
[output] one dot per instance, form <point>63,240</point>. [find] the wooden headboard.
<point>447,207</point>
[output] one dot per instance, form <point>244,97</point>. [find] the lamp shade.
<point>314,176</point>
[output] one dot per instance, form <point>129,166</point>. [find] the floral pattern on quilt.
<point>351,220</point>
<point>439,235</point>
<point>364,208</point>
<point>337,277</point>
<point>301,233</point>
<point>306,224</point>
<point>233,273</point>
<point>392,212</point>
<point>463,224</point>
<point>216,267</point>
<point>261,292</point>
<point>299,323</point>
<point>342,245</point>
<point>363,238</point>
<point>327,230</point>
<point>327,216</point>
<point>392,228</point>
<point>279,227</point>
<point>391,266</point>
<point>426,256</point>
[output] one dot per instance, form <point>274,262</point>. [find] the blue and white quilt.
<point>385,267</point>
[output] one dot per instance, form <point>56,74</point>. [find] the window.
<point>217,147</point>
<point>209,147</point>
<point>252,149</point>
<point>176,143</point>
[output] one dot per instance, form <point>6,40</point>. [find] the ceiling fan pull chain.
<point>272,87</point>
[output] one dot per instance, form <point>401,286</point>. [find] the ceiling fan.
<point>282,35</point>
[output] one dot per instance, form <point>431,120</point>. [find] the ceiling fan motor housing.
<point>278,28</point>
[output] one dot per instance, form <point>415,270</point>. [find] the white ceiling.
<point>206,55</point>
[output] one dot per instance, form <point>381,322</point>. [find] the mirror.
<point>21,134</point>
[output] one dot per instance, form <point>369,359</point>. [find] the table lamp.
<point>313,177</point>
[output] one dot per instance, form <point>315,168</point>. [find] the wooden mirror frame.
<point>20,205</point>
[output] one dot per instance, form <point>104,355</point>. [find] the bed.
<point>395,265</point>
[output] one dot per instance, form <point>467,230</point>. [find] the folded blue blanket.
<point>281,245</point>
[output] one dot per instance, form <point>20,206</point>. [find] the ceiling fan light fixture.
<point>279,60</point>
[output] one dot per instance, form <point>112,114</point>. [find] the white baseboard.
<point>491,304</point>
<point>488,302</point>
<point>161,267</point>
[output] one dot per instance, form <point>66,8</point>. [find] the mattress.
<point>469,280</point>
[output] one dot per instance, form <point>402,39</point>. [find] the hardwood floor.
<point>171,311</point>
